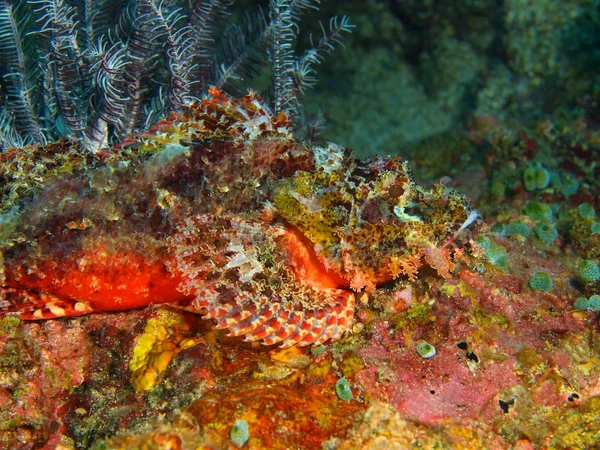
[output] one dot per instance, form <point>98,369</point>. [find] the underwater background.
<point>497,348</point>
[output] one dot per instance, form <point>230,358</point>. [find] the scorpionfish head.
<point>369,222</point>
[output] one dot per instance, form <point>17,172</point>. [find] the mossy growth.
<point>518,229</point>
<point>8,324</point>
<point>536,176</point>
<point>319,368</point>
<point>317,350</point>
<point>499,229</point>
<point>417,314</point>
<point>541,281</point>
<point>584,231</point>
<point>567,183</point>
<point>588,271</point>
<point>24,171</point>
<point>352,364</point>
<point>539,211</point>
<point>546,232</point>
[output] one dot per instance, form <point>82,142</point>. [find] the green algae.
<point>592,303</point>
<point>240,433</point>
<point>546,232</point>
<point>541,281</point>
<point>536,176</point>
<point>567,183</point>
<point>588,271</point>
<point>495,253</point>
<point>586,211</point>
<point>518,228</point>
<point>425,350</point>
<point>343,390</point>
<point>539,211</point>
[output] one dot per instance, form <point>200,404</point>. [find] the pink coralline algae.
<point>506,356</point>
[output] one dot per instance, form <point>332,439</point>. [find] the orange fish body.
<point>218,210</point>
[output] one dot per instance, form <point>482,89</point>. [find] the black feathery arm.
<point>18,112</point>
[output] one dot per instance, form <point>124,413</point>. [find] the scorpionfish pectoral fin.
<point>261,281</point>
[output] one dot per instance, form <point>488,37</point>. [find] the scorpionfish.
<point>218,210</point>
